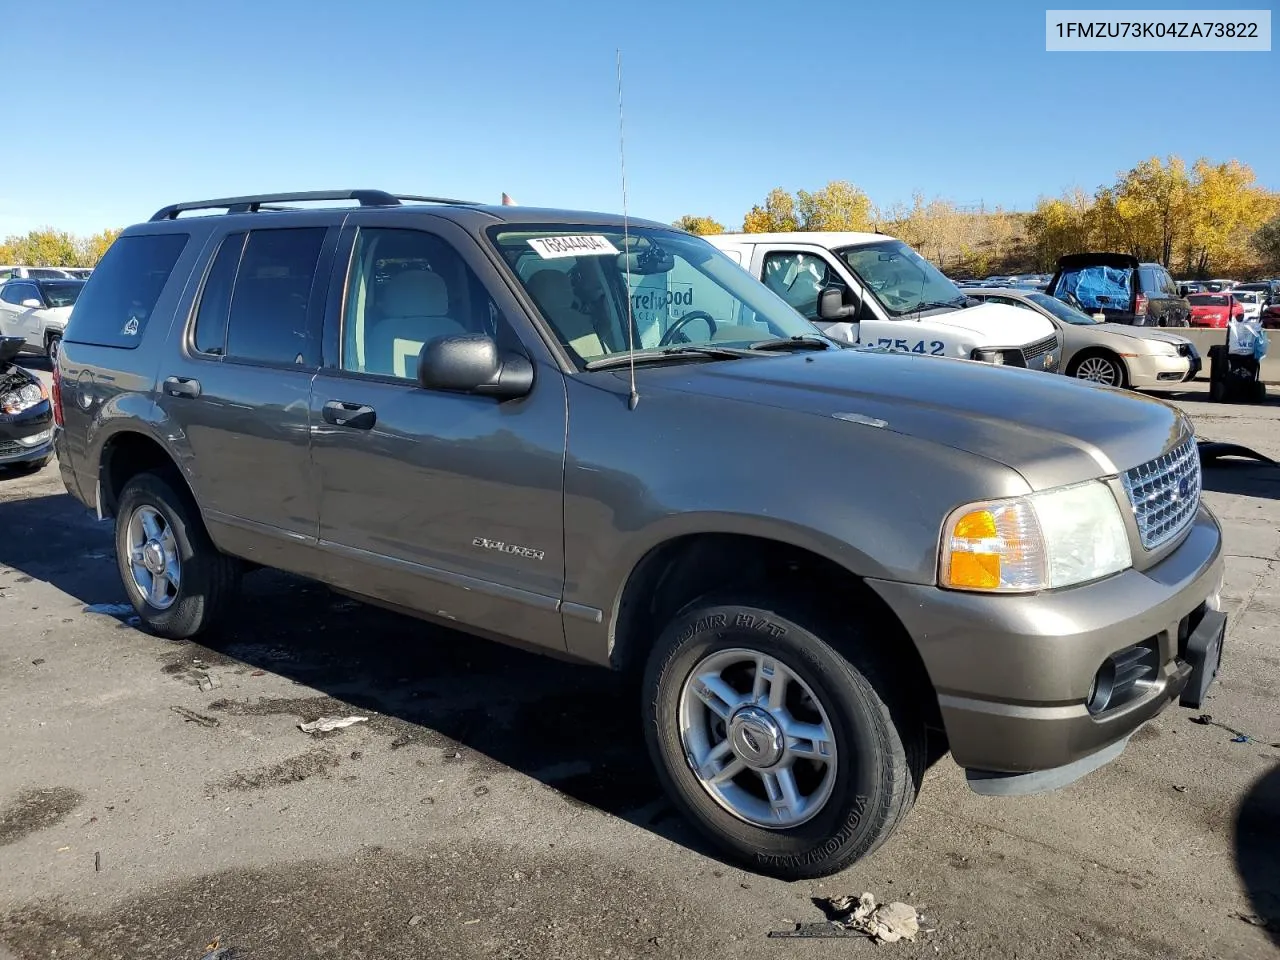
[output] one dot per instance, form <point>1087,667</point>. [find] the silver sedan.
<point>1116,354</point>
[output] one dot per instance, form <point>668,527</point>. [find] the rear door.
<point>238,390</point>
<point>446,504</point>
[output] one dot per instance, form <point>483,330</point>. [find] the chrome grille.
<point>1034,351</point>
<point>1165,493</point>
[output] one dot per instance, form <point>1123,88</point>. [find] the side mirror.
<point>832,305</point>
<point>31,303</point>
<point>472,364</point>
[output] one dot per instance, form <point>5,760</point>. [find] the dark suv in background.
<point>436,407</point>
<point>1121,288</point>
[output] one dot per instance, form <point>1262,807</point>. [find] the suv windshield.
<point>683,292</point>
<point>1063,311</point>
<point>62,294</point>
<point>902,280</point>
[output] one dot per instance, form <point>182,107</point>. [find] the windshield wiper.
<point>805,341</point>
<point>937,305</point>
<point>626,358</point>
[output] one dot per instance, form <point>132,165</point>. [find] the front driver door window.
<point>798,278</point>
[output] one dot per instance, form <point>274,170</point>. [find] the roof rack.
<point>271,201</point>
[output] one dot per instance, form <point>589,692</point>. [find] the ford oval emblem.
<point>1184,488</point>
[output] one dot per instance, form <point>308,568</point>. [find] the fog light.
<point>1104,682</point>
<point>36,438</point>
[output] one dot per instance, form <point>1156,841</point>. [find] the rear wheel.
<point>176,579</point>
<point>1100,367</point>
<point>780,736</point>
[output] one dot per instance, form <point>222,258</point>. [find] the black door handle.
<point>182,387</point>
<point>354,415</point>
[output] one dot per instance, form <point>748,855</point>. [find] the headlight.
<point>986,355</point>
<point>24,398</point>
<point>1043,540</point>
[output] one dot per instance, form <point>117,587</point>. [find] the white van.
<point>890,297</point>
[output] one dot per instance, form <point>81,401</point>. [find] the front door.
<point>446,504</point>
<point>237,387</point>
<point>800,275</point>
<point>21,320</point>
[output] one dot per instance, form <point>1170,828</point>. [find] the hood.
<point>1051,429</point>
<point>1138,333</point>
<point>999,324</point>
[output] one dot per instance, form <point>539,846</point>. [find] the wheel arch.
<point>124,455</point>
<point>679,570</point>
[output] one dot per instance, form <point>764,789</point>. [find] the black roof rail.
<point>271,201</point>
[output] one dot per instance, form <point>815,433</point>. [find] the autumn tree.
<point>1058,226</point>
<point>837,206</point>
<point>778,215</point>
<point>56,248</point>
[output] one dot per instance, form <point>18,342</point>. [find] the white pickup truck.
<point>890,297</point>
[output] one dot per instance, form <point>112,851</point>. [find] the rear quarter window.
<point>117,301</point>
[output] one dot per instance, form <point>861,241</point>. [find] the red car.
<point>1271,317</point>
<point>1213,309</point>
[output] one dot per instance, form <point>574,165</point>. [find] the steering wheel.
<point>669,337</point>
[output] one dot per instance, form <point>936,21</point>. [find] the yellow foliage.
<point>56,248</point>
<point>703,226</point>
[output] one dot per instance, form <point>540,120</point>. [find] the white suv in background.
<point>35,273</point>
<point>889,296</point>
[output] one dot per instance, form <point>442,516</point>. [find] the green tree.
<point>703,226</point>
<point>778,215</point>
<point>1266,241</point>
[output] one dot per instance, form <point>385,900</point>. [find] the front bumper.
<point>1013,674</point>
<point>1156,370</point>
<point>14,430</point>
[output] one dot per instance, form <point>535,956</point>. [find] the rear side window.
<point>117,302</point>
<point>268,321</point>
<point>215,299</point>
<point>256,297</point>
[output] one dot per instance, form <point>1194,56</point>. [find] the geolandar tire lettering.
<point>721,731</point>
<point>207,580</point>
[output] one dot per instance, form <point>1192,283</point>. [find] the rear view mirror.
<point>472,364</point>
<point>31,303</point>
<point>832,305</point>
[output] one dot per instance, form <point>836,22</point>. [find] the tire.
<point>1101,366</point>
<point>879,738</point>
<point>207,578</point>
<point>52,344</point>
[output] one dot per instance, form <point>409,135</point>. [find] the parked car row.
<point>44,273</point>
<point>622,444</point>
<point>37,311</point>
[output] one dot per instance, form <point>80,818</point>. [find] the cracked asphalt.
<point>157,799</point>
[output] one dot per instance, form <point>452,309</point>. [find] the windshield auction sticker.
<point>551,248</point>
<point>1186,31</point>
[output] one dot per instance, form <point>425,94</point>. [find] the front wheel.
<point>1101,368</point>
<point>52,344</point>
<point>778,737</point>
<point>176,579</point>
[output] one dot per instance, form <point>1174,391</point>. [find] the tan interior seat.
<point>415,308</point>
<point>553,293</point>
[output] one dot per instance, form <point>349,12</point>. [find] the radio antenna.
<point>626,244</point>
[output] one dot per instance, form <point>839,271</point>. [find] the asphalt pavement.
<point>158,799</point>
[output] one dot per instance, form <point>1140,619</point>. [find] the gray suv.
<point>605,440</point>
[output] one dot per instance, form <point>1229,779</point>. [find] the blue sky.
<point>141,103</point>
